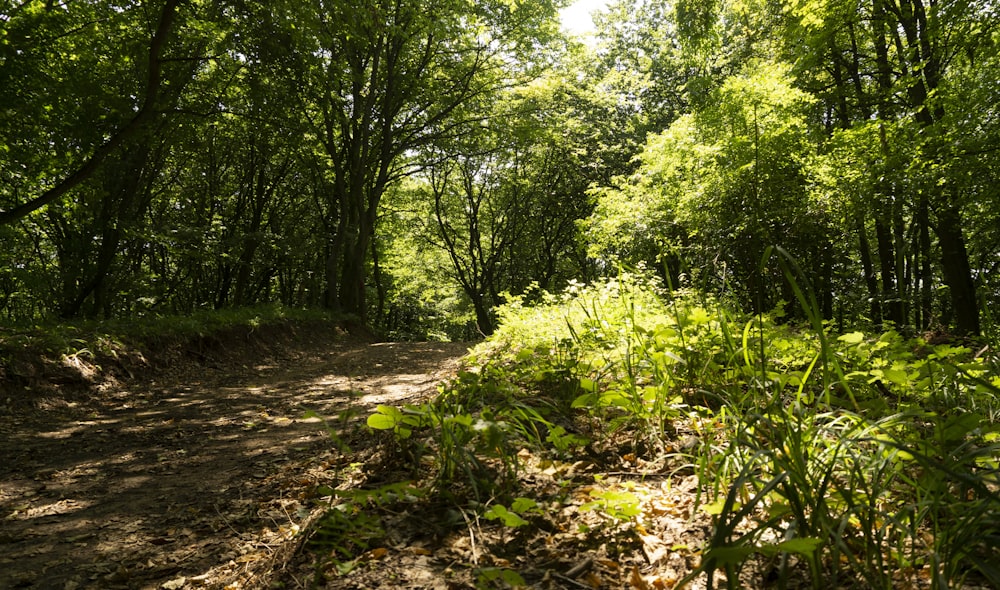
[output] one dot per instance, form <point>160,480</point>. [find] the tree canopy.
<point>170,156</point>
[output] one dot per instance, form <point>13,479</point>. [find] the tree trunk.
<point>925,274</point>
<point>957,271</point>
<point>121,208</point>
<point>901,296</point>
<point>871,281</point>
<point>484,317</point>
<point>887,263</point>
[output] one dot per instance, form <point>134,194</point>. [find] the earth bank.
<point>196,464</point>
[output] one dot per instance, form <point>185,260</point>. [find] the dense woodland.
<point>749,244</point>
<point>411,163</point>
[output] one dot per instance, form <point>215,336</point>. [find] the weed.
<point>844,458</point>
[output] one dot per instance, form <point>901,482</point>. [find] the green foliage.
<point>394,419</point>
<point>349,527</point>
<point>615,504</point>
<point>420,305</point>
<point>513,517</point>
<point>345,532</point>
<point>471,438</point>
<point>718,187</point>
<point>862,455</point>
<point>447,168</point>
<point>623,352</point>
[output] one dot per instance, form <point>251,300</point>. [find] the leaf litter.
<point>241,475</point>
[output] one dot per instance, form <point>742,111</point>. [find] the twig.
<point>576,570</point>
<point>571,581</point>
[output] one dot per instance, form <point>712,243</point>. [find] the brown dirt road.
<point>196,480</point>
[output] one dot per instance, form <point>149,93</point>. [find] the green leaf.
<point>385,418</point>
<point>897,376</point>
<point>522,505</point>
<point>801,545</point>
<point>500,512</point>
<point>724,556</point>
<point>852,338</point>
<point>699,316</point>
<point>381,422</point>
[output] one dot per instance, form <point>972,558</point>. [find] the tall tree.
<point>386,77</point>
<point>56,41</point>
<point>720,186</point>
<point>890,60</point>
<point>507,197</point>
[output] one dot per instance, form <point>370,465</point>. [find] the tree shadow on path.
<point>192,483</point>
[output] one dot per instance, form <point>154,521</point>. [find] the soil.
<point>197,469</point>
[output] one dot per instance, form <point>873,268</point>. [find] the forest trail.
<point>197,481</point>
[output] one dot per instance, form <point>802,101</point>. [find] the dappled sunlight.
<point>154,481</point>
<point>403,389</point>
<point>59,507</point>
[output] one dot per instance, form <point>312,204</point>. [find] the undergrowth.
<point>70,335</point>
<point>27,352</point>
<point>854,459</point>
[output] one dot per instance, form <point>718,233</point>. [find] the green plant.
<point>513,516</point>
<point>457,438</point>
<point>342,534</point>
<point>851,458</point>
<point>401,422</point>
<point>349,527</point>
<point>619,505</point>
<point>857,491</point>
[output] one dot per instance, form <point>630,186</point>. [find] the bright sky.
<point>576,18</point>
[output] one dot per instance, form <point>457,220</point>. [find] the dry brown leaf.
<point>637,581</point>
<point>249,557</point>
<point>652,542</point>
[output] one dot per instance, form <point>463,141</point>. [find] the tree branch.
<point>91,165</point>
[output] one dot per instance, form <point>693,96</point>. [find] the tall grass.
<point>853,459</point>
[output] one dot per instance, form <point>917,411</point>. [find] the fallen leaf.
<point>637,580</point>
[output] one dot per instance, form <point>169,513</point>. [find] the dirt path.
<point>197,483</point>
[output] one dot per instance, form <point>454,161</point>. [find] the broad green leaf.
<point>897,376</point>
<point>724,556</point>
<point>852,337</point>
<point>382,422</point>
<point>500,512</point>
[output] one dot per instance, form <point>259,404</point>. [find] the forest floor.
<point>198,471</point>
<point>243,461</point>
